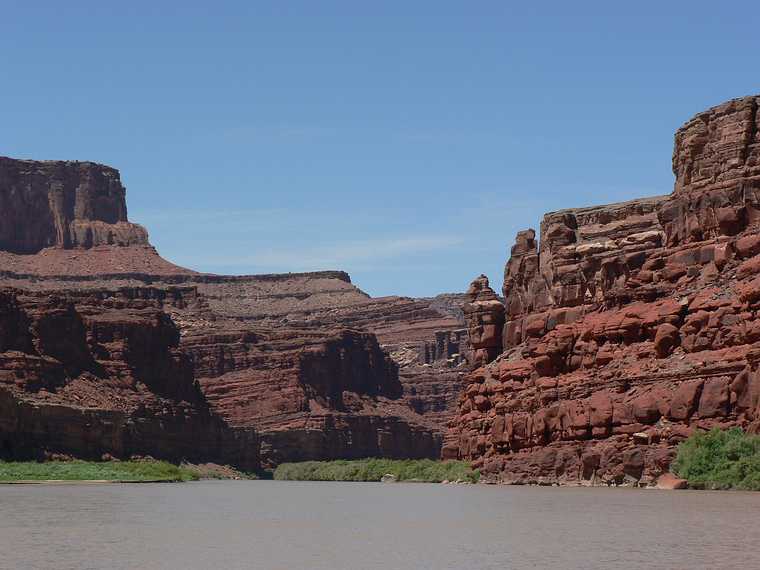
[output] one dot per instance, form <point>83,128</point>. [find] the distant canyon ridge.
<point>619,330</point>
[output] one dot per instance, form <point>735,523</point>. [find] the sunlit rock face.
<point>628,326</point>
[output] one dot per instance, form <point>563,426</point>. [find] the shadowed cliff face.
<point>93,374</point>
<point>629,326</point>
<point>310,394</point>
<point>64,205</point>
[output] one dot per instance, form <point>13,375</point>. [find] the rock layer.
<point>302,359</point>
<point>101,373</point>
<point>629,327</point>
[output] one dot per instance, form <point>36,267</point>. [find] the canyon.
<point>107,349</point>
<point>619,330</point>
<point>625,327</point>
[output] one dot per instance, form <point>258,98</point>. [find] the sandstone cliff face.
<point>310,394</point>
<point>302,358</point>
<point>716,161</point>
<point>62,204</point>
<point>630,326</point>
<point>101,373</point>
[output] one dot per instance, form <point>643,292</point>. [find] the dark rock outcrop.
<point>101,373</point>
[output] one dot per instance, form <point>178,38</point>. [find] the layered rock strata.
<point>101,373</point>
<point>63,204</point>
<point>310,394</point>
<point>630,326</point>
<point>302,358</point>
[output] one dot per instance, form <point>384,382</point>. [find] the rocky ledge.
<point>626,327</point>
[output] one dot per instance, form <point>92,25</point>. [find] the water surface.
<point>274,525</point>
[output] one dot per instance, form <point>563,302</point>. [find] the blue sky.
<point>403,142</point>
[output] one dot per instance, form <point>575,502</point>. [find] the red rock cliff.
<point>629,326</point>
<point>303,358</point>
<point>99,373</point>
<point>64,205</point>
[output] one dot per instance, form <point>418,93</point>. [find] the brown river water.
<point>274,525</point>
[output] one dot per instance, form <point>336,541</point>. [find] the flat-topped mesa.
<point>716,161</point>
<point>484,313</point>
<point>63,204</point>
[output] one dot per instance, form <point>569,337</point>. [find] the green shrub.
<point>422,470</point>
<point>146,470</point>
<point>720,459</point>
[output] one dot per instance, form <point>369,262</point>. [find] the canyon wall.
<point>299,366</point>
<point>627,327</point>
<point>100,373</point>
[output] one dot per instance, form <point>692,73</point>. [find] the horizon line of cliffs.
<point>622,330</point>
<point>626,326</point>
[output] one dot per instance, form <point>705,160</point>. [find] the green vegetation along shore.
<point>417,470</point>
<point>720,459</point>
<point>125,471</point>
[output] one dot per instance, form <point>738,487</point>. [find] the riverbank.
<point>720,459</point>
<point>374,470</point>
<point>140,471</point>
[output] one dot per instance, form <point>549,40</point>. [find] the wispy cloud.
<point>231,219</point>
<point>356,254</point>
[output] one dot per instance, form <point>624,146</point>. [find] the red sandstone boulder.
<point>714,399</point>
<point>685,399</point>
<point>666,339</point>
<point>670,482</point>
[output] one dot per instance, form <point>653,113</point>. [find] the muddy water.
<point>335,526</point>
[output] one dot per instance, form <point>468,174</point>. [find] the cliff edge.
<point>627,326</point>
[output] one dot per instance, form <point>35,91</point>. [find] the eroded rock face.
<point>309,394</point>
<point>629,327</point>
<point>716,161</point>
<point>301,357</point>
<point>101,373</point>
<point>64,205</point>
<point>484,314</point>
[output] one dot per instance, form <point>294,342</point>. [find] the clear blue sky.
<point>404,142</point>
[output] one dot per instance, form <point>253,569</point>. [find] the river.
<point>273,525</point>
